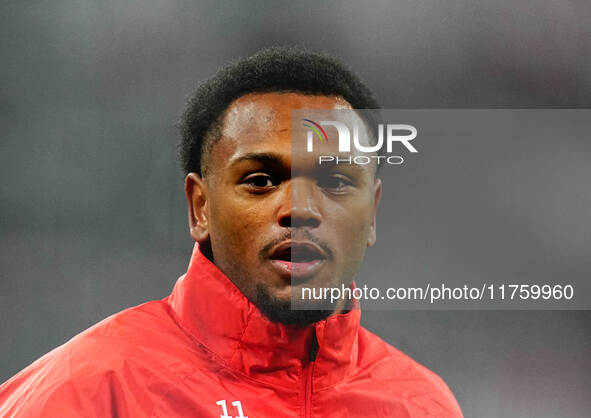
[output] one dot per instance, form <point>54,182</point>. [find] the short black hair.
<point>275,69</point>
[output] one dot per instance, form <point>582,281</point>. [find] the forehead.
<point>271,111</point>
<point>260,122</point>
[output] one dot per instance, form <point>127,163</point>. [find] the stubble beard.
<point>278,310</point>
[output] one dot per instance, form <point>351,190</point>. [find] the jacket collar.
<point>215,313</point>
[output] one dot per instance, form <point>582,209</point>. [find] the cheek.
<point>352,227</point>
<point>354,218</point>
<point>236,225</point>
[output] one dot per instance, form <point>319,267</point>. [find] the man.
<point>226,342</point>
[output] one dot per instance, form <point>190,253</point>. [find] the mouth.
<point>297,259</point>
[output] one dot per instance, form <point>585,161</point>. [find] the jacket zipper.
<point>309,370</point>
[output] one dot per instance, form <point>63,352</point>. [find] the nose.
<point>301,208</point>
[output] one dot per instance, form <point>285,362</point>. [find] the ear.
<point>377,196</point>
<point>196,192</point>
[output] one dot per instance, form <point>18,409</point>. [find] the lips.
<point>297,259</point>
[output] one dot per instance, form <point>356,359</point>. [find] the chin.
<point>278,308</point>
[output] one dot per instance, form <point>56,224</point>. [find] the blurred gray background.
<point>92,216</point>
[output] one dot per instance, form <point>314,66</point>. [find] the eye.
<point>259,181</point>
<point>335,183</point>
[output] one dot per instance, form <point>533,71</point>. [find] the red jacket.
<point>206,351</point>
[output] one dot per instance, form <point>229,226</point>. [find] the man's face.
<point>277,221</point>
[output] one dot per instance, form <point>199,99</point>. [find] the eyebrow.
<point>261,157</point>
<point>270,159</point>
<point>332,164</point>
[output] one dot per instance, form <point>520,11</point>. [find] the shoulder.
<point>99,370</point>
<point>134,335</point>
<point>398,373</point>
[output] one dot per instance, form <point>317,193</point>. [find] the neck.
<point>221,319</point>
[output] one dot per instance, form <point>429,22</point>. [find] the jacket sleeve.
<point>75,381</point>
<point>50,388</point>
